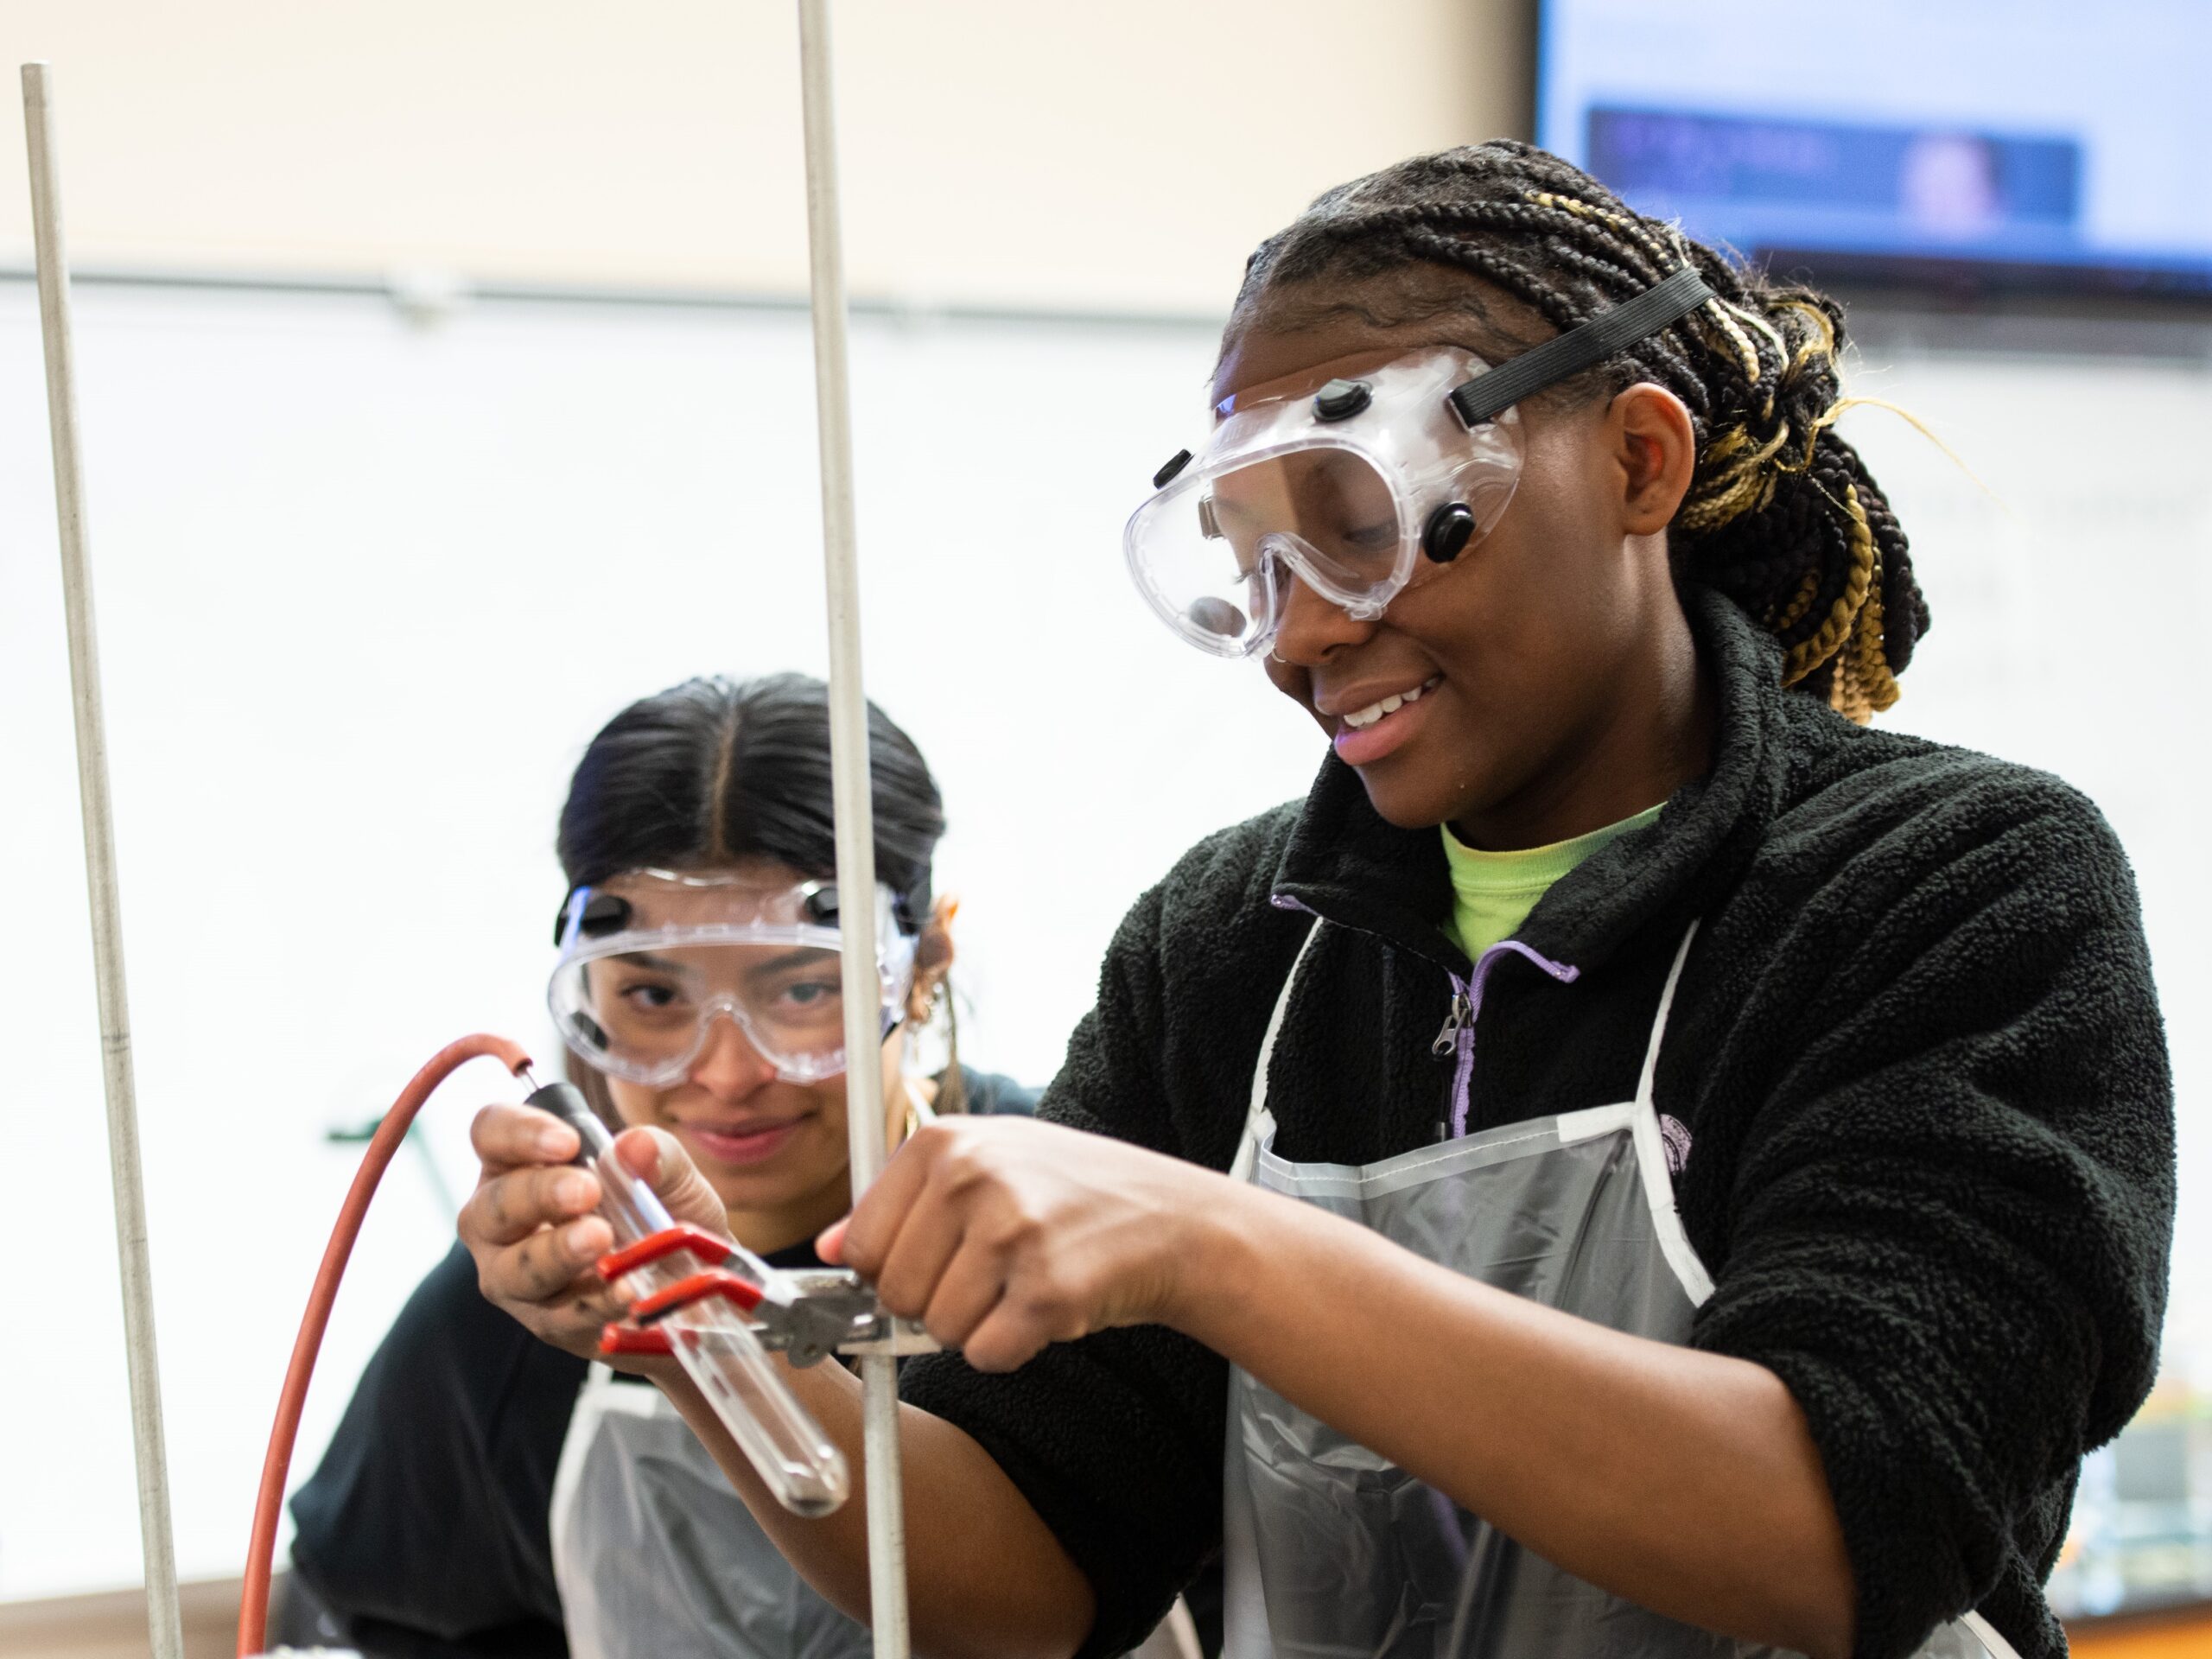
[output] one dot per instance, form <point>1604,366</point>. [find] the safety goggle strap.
<point>1488,396</point>
<point>594,913</point>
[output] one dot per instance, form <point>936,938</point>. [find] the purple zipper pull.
<point>1459,1031</point>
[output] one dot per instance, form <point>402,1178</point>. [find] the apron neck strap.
<point>1248,1144</point>
<point>1644,1084</point>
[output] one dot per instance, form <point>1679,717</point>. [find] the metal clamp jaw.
<point>806,1315</point>
<point>834,1312</point>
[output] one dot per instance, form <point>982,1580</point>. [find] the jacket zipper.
<point>1459,1019</point>
<point>1458,1032</point>
<point>1467,1004</point>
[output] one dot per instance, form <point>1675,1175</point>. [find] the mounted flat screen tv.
<point>2025,146</point>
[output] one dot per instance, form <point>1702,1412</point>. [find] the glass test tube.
<point>712,1340</point>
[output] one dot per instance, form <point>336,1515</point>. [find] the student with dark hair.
<point>1638,1162</point>
<point>486,1494</point>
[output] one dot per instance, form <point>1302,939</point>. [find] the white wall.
<point>365,591</point>
<point>366,588</point>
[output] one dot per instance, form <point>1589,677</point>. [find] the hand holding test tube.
<point>711,1340</point>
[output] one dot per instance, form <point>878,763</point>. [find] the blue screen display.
<point>2011,143</point>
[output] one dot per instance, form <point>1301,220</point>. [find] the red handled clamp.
<point>640,1334</point>
<point>658,1247</point>
<point>806,1315</point>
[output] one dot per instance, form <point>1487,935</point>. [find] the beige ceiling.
<point>1121,155</point>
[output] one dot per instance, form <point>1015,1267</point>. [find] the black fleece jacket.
<point>1916,1050</point>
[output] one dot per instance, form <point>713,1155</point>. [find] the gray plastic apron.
<point>656,1555</point>
<point>1332,1553</point>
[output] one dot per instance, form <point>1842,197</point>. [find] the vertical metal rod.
<point>855,826</point>
<point>163,1622</point>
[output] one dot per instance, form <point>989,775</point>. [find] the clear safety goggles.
<point>1349,487</point>
<point>652,959</point>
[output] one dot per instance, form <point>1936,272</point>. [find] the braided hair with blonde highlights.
<point>1782,514</point>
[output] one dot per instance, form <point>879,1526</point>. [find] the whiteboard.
<point>367,585</point>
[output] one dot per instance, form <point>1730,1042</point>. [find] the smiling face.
<point>1542,684</point>
<point>775,1151</point>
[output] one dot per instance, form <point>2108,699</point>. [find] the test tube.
<point>712,1340</point>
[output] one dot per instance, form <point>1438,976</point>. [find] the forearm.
<point>1685,1482</point>
<point>986,1579</point>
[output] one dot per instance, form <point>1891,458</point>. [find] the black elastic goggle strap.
<point>1488,396</point>
<point>603,913</point>
<point>822,908</point>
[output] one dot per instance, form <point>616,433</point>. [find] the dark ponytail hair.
<point>1782,514</point>
<point>715,771</point>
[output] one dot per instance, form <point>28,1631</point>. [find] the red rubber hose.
<point>260,1560</point>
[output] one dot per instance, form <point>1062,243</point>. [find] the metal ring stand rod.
<point>855,816</point>
<point>164,1622</point>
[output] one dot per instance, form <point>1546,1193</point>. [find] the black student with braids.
<point>1760,1123</point>
<point>1781,515</point>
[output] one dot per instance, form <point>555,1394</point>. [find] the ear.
<point>933,955</point>
<point>1654,447</point>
